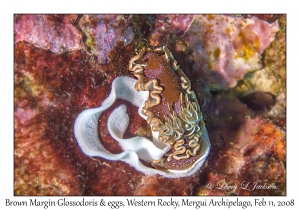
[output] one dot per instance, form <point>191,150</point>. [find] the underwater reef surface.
<point>64,64</point>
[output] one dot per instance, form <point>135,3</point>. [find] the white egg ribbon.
<point>136,148</point>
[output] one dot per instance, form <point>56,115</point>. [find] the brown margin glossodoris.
<point>172,108</point>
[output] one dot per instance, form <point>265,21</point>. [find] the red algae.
<point>41,166</point>
<point>39,170</point>
<point>161,186</point>
<point>111,178</point>
<point>54,89</point>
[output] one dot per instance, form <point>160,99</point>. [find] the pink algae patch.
<point>164,26</point>
<point>24,115</point>
<point>43,32</point>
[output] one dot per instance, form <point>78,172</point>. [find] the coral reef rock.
<point>103,32</point>
<point>225,48</point>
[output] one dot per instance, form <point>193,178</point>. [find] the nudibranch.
<point>172,108</point>
<point>163,95</point>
